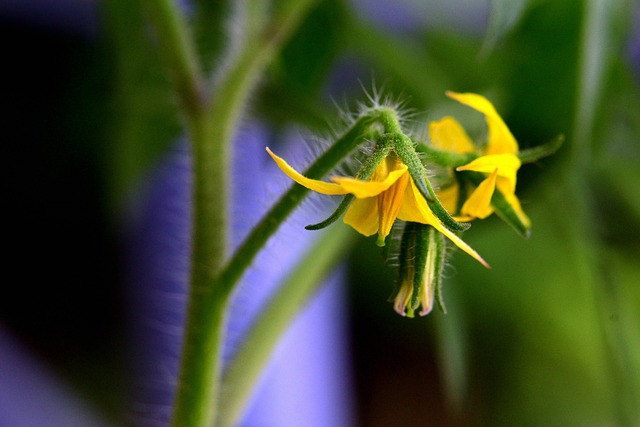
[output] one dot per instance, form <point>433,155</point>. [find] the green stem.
<point>196,394</point>
<point>244,371</point>
<point>211,130</point>
<point>179,54</point>
<point>206,303</point>
<point>197,387</point>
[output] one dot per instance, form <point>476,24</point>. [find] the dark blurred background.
<point>63,287</point>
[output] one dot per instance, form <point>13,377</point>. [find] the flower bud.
<point>422,254</point>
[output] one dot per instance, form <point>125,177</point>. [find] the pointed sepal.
<point>534,154</point>
<point>404,148</point>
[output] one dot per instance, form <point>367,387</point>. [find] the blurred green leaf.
<point>411,68</point>
<point>210,24</point>
<point>298,75</point>
<point>145,116</point>
<point>453,349</point>
<point>541,73</point>
<point>459,56</point>
<point>600,43</point>
<point>503,16</point>
<point>621,301</point>
<point>307,58</point>
<point>538,348</point>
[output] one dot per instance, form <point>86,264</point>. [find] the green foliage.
<point>503,16</point>
<point>308,57</point>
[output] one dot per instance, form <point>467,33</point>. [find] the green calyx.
<point>393,139</point>
<point>422,257</point>
<point>443,158</point>
<point>404,148</point>
<point>438,248</point>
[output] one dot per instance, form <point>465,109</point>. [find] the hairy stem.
<point>211,122</point>
<point>292,198</point>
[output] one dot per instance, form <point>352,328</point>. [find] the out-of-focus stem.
<point>244,371</point>
<point>211,120</point>
<point>179,54</point>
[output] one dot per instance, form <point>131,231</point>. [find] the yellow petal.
<point>507,185</point>
<point>463,218</point>
<point>507,165</point>
<point>490,162</point>
<point>449,195</point>
<point>448,135</point>
<point>478,204</point>
<point>311,184</point>
<point>487,164</point>
<point>364,189</point>
<point>449,199</point>
<point>362,215</point>
<point>500,138</point>
<point>389,204</point>
<point>412,210</point>
<point>415,209</point>
<point>461,244</point>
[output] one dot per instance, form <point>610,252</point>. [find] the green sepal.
<point>501,206</point>
<point>423,251</point>
<point>407,243</point>
<point>340,210</point>
<point>366,171</point>
<point>380,152</point>
<point>391,249</point>
<point>404,148</point>
<point>405,254</point>
<point>420,253</point>
<point>443,158</point>
<point>440,248</point>
<point>534,154</point>
<point>430,243</point>
<point>412,259</point>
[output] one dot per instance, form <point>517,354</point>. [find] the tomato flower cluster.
<point>393,185</point>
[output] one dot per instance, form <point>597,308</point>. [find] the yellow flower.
<point>499,160</point>
<point>390,194</point>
